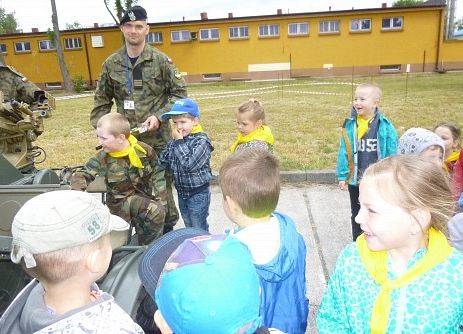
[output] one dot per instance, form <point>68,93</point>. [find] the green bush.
<point>79,84</point>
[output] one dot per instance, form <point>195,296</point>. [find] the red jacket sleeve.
<point>458,177</point>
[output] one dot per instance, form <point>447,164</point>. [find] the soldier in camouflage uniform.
<point>15,86</point>
<point>130,193</point>
<point>144,84</point>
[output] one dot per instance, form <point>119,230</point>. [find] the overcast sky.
<point>37,13</point>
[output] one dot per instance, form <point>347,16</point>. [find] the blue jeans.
<point>195,209</point>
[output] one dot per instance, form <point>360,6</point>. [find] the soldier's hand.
<point>151,123</point>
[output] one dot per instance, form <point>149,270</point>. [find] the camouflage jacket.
<point>121,179</point>
<point>15,86</point>
<point>160,86</point>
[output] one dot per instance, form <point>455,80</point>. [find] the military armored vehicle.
<point>20,180</point>
<point>20,125</point>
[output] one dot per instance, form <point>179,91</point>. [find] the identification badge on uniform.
<point>129,105</point>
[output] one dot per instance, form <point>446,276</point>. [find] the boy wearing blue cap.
<point>188,156</point>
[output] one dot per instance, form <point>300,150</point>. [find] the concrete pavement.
<point>322,216</point>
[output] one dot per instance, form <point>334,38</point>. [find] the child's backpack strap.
<point>348,149</point>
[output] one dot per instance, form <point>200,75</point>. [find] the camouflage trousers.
<point>157,141</point>
<point>145,214</point>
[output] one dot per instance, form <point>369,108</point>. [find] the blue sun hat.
<point>181,107</point>
<point>207,285</point>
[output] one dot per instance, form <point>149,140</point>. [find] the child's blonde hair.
<point>115,123</point>
<point>59,265</point>
<point>374,88</point>
<point>252,179</point>
<point>411,183</point>
<point>255,110</point>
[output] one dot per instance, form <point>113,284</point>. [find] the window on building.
<point>53,85</point>
<point>390,68</point>
<point>269,30</point>
<point>46,45</point>
<point>212,76</point>
<point>392,23</point>
<point>22,46</point>
<point>298,29</point>
<point>329,26</point>
<point>209,34</point>
<point>180,35</point>
<point>238,32</point>
<point>360,25</point>
<point>72,43</point>
<point>154,37</point>
<point>2,48</point>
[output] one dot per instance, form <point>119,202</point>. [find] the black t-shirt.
<point>136,72</point>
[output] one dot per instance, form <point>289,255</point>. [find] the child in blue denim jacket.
<point>188,156</point>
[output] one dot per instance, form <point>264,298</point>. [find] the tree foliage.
<point>75,25</point>
<point>119,7</point>
<point>8,23</point>
<point>459,24</point>
<point>407,3</point>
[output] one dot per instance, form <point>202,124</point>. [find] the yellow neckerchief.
<point>375,263</point>
<point>196,129</point>
<point>363,125</point>
<point>454,156</point>
<point>262,133</point>
<point>130,151</point>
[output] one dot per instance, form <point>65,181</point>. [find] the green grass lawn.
<point>306,126</point>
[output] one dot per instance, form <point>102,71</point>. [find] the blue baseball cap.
<point>180,107</point>
<point>208,285</point>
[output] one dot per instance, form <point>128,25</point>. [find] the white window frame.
<point>298,29</point>
<point>391,23</point>
<point>182,36</point>
<point>330,25</point>
<point>154,37</point>
<point>50,45</point>
<point>242,32</point>
<point>272,30</point>
<point>3,46</point>
<point>359,25</point>
<point>72,43</point>
<point>209,34</point>
<point>23,47</point>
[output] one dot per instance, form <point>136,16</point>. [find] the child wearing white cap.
<point>63,239</point>
<point>424,143</point>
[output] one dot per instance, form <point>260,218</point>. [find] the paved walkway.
<point>322,216</point>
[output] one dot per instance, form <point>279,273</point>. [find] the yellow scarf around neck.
<point>196,129</point>
<point>375,263</point>
<point>362,126</point>
<point>454,156</point>
<point>262,133</point>
<point>130,151</point>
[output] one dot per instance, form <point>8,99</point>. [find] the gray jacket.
<point>28,313</point>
